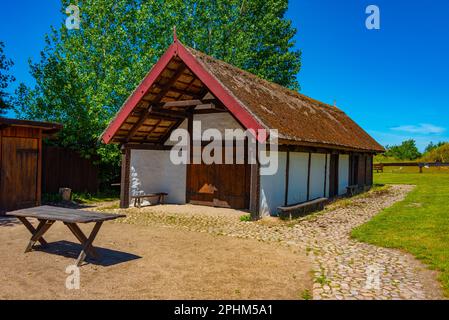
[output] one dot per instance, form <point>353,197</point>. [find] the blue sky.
<point>394,81</point>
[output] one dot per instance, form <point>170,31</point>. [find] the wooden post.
<point>420,167</point>
<point>189,155</point>
<point>254,192</point>
<point>308,176</point>
<point>124,185</point>
<point>287,170</point>
<point>39,170</point>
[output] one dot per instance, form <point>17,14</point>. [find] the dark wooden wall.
<point>20,164</point>
<point>66,168</point>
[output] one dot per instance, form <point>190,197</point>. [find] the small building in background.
<point>21,162</point>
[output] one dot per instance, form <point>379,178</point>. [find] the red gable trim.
<point>216,88</point>
<point>139,93</point>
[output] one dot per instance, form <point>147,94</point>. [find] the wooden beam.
<point>189,156</point>
<point>156,100</point>
<point>167,134</point>
<point>39,170</point>
<point>254,196</point>
<point>124,185</point>
<point>137,125</point>
<point>146,146</point>
<point>287,169</point>
<point>181,91</point>
<point>182,103</point>
<point>169,113</point>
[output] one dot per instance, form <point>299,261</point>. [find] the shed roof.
<point>47,127</point>
<point>184,73</point>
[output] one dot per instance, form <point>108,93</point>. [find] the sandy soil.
<point>150,262</point>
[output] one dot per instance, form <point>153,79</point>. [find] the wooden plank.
<point>39,171</point>
<point>63,214</point>
<point>43,227</point>
<point>287,170</point>
<point>146,146</point>
<point>31,229</point>
<point>87,245</point>
<point>126,167</point>
<point>190,157</point>
<point>168,113</point>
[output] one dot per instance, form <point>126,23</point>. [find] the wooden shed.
<point>21,162</point>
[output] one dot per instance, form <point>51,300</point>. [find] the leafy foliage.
<point>85,75</point>
<point>431,146</point>
<point>5,79</point>
<point>437,154</point>
<point>407,150</point>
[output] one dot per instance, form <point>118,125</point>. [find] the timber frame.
<point>185,83</point>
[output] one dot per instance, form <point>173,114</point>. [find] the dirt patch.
<point>152,262</point>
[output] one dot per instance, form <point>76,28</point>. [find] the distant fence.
<point>66,168</point>
<point>379,167</point>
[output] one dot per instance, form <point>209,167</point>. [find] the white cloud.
<point>422,128</point>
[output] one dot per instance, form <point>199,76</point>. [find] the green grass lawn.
<point>419,224</point>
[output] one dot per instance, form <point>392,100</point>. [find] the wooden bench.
<point>138,199</point>
<point>379,167</point>
<point>301,209</point>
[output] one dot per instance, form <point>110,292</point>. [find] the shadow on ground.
<point>70,249</point>
<point>6,221</point>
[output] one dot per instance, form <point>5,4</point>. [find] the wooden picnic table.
<point>48,215</point>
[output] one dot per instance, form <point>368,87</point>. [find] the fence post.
<point>420,167</point>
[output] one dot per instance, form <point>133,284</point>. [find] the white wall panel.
<point>272,188</point>
<point>152,172</point>
<point>317,175</point>
<point>297,177</point>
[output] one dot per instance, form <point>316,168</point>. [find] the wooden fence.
<point>379,167</point>
<point>66,168</point>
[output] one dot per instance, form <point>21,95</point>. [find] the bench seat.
<point>301,209</point>
<point>138,198</point>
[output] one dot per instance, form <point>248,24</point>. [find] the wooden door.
<point>333,175</point>
<point>220,185</point>
<point>19,173</point>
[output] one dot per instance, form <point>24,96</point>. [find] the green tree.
<point>85,75</point>
<point>431,146</point>
<point>407,150</point>
<point>5,79</point>
<point>437,154</point>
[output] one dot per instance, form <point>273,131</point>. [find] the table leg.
<point>32,230</point>
<point>78,233</point>
<point>87,245</point>
<point>43,227</point>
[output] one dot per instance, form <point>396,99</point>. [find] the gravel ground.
<point>343,268</point>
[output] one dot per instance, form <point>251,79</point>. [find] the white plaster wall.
<point>272,188</point>
<point>343,173</point>
<point>219,121</point>
<point>317,167</point>
<point>297,177</point>
<point>152,172</point>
